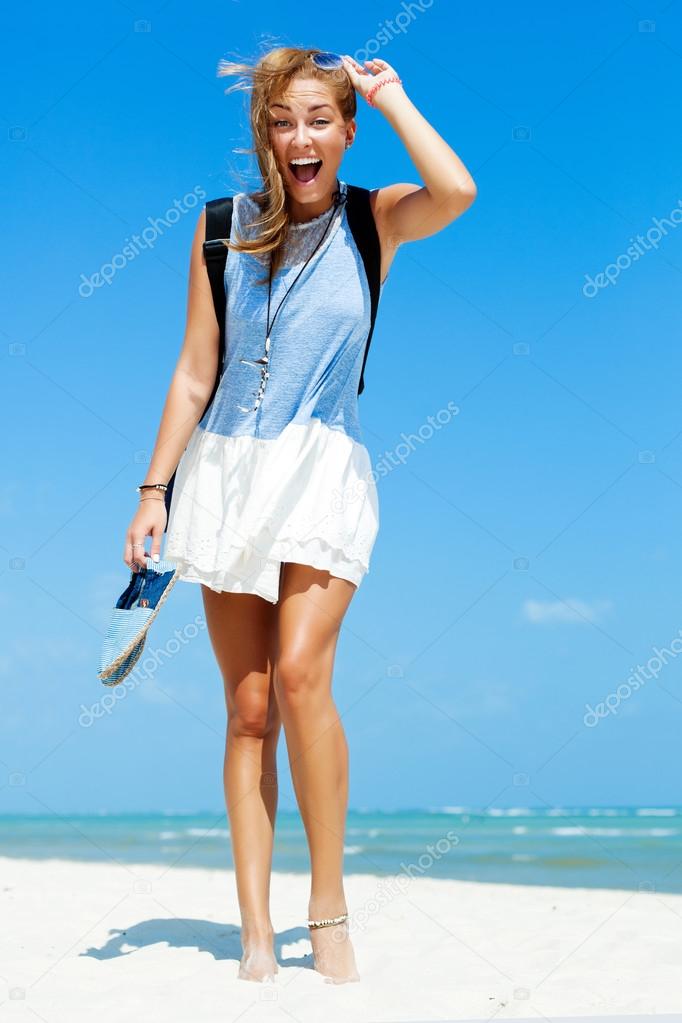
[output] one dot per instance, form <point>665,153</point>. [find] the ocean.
<point>633,848</point>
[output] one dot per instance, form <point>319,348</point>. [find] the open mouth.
<point>305,172</point>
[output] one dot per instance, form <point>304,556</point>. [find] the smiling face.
<point>306,124</point>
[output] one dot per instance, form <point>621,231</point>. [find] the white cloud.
<point>569,610</point>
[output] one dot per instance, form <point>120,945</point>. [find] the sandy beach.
<point>118,939</point>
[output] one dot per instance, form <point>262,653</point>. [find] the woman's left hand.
<point>363,80</point>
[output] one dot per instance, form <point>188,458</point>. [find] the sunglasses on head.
<point>327,61</point>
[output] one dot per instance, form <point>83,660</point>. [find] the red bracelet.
<point>370,94</point>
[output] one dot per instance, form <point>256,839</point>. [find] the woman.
<point>274,510</point>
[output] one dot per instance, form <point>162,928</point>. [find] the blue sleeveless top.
<point>318,339</point>
<point>291,479</point>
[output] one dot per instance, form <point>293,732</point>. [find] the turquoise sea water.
<point>630,848</point>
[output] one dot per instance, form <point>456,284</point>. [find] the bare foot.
<point>258,961</point>
<point>333,953</point>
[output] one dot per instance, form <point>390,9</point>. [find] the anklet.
<point>328,921</point>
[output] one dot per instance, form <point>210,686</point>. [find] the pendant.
<point>256,362</point>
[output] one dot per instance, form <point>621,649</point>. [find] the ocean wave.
<point>616,832</point>
<point>646,812</point>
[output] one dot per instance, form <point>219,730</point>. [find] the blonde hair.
<point>268,79</point>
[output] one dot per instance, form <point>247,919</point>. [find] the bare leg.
<point>311,607</point>
<point>241,628</point>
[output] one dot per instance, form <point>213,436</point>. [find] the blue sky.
<point>529,553</point>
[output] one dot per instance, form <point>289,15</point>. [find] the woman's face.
<point>304,123</point>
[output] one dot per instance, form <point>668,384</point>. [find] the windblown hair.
<point>268,81</point>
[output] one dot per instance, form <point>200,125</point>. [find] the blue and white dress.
<point>292,480</point>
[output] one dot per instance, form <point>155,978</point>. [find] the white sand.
<point>427,950</point>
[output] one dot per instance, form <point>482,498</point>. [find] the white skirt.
<point>241,506</point>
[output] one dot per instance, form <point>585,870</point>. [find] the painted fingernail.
<point>155,557</point>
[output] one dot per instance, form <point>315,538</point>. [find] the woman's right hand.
<point>149,520</point>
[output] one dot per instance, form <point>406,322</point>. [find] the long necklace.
<point>339,199</point>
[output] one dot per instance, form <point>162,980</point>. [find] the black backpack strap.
<point>218,226</point>
<point>363,227</point>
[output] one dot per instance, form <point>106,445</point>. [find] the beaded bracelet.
<point>152,486</point>
<point>370,94</point>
